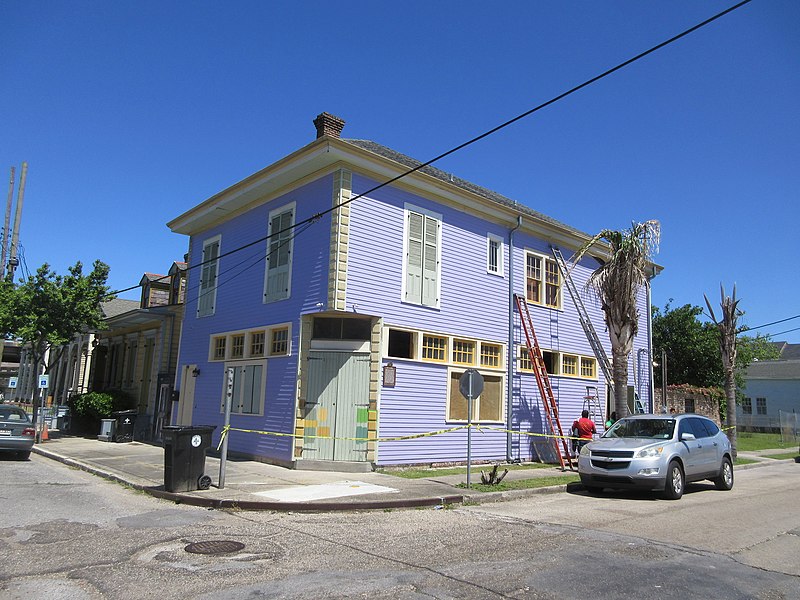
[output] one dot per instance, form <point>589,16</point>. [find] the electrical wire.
<point>774,323</point>
<point>475,139</point>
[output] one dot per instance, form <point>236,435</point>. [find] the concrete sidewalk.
<point>252,485</point>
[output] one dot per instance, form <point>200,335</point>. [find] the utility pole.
<point>13,261</point>
<point>6,225</point>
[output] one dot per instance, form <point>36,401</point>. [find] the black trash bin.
<point>185,457</point>
<point>126,419</point>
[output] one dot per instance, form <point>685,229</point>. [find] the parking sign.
<point>12,382</point>
<point>44,381</point>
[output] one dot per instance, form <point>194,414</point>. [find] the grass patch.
<point>744,461</point>
<point>523,484</point>
<point>783,456</point>
<point>748,441</point>
<point>421,473</point>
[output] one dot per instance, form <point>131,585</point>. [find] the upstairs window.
<point>422,262</point>
<point>207,296</point>
<point>277,282</point>
<point>542,281</point>
<point>494,255</point>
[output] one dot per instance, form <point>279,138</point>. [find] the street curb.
<point>221,503</point>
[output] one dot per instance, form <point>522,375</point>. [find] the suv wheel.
<point>725,479</point>
<point>674,488</point>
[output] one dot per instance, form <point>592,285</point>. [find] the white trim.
<point>291,206</point>
<point>217,239</point>
<point>412,208</point>
<point>500,272</point>
<point>236,409</point>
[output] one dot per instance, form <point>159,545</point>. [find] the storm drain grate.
<point>214,547</point>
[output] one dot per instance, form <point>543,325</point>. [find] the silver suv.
<point>657,452</point>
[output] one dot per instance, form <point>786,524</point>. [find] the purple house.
<point>345,312</point>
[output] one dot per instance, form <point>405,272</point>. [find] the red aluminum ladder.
<point>543,381</point>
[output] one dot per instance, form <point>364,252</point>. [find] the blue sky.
<point>129,114</point>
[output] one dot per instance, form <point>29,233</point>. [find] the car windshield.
<point>8,413</point>
<point>660,429</point>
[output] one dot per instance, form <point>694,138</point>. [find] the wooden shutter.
<point>279,257</point>
<point>414,258</point>
<point>430,263</point>
<point>208,280</point>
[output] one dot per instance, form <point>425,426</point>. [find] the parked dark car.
<point>16,431</point>
<point>658,452</point>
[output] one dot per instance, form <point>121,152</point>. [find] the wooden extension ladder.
<point>543,381</point>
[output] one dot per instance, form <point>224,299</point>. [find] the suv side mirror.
<point>687,437</point>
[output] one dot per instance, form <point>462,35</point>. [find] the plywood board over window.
<point>487,408</point>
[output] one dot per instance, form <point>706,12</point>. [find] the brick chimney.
<point>328,124</point>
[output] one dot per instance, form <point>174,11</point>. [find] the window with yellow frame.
<point>434,347</point>
<point>464,352</point>
<point>491,355</point>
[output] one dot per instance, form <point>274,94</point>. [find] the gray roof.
<point>788,351</point>
<point>385,152</point>
<point>117,306</point>
<point>774,369</point>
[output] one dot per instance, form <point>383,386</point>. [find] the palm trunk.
<point>730,409</point>
<point>619,369</point>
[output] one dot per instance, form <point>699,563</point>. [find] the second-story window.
<point>207,296</point>
<point>277,285</point>
<point>423,249</point>
<point>494,255</point>
<point>542,281</point>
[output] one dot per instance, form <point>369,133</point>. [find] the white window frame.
<point>289,240</point>
<point>204,289</point>
<point>430,293</point>
<point>499,269</point>
<point>543,281</point>
<point>237,404</point>
<point>248,333</point>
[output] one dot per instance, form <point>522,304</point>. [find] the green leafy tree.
<point>692,346</point>
<point>46,310</point>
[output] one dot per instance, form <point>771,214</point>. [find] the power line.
<point>527,113</point>
<point>774,323</point>
<point>787,331</point>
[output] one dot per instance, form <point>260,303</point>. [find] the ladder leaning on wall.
<point>543,381</point>
<point>586,322</point>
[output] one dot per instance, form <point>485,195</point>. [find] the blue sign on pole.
<point>44,382</point>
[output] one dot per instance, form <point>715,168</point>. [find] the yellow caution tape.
<point>479,428</point>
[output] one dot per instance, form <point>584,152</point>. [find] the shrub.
<point>100,405</point>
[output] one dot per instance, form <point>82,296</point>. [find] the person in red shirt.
<point>584,429</point>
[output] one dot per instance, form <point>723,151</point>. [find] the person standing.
<point>583,428</point>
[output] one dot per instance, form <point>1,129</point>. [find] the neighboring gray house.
<point>772,392</point>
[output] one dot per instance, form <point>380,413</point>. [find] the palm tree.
<point>727,347</point>
<point>617,283</point>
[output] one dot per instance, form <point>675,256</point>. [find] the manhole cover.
<point>214,547</point>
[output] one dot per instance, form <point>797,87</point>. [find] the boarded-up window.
<point>488,407</point>
<point>248,388</point>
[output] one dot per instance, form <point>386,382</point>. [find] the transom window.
<point>464,352</point>
<point>556,363</point>
<point>239,345</point>
<point>280,341</point>
<point>491,355</point>
<point>434,348</point>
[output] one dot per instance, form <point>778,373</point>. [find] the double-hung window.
<point>207,296</point>
<point>422,256</point>
<point>542,280</point>
<point>278,278</point>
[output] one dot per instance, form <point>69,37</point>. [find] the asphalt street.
<point>68,534</point>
